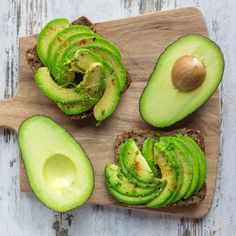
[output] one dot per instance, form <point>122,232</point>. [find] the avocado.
<point>72,43</point>
<point>148,154</point>
<point>170,170</point>
<point>185,76</point>
<point>134,165</point>
<point>196,151</point>
<point>46,35</point>
<point>59,171</point>
<point>113,60</point>
<point>190,178</point>
<point>61,36</point>
<point>125,191</point>
<point>108,101</point>
<point>89,89</point>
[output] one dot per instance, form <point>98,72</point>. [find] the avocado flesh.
<point>196,151</point>
<point>148,154</point>
<point>46,35</point>
<point>72,43</point>
<point>162,105</point>
<point>113,60</point>
<point>170,169</point>
<point>111,96</point>
<point>60,37</point>
<point>59,171</point>
<point>94,76</point>
<point>134,166</point>
<point>125,191</point>
<point>190,179</point>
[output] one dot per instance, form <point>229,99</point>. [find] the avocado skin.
<point>93,174</point>
<point>188,114</point>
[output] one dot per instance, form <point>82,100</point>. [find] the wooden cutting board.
<point>141,40</point>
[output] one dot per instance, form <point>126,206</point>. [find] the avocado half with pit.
<point>59,171</point>
<point>83,71</point>
<point>185,76</point>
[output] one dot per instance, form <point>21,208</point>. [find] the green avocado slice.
<point>94,76</point>
<point>190,179</point>
<point>125,191</point>
<point>196,151</point>
<point>59,171</point>
<point>148,154</point>
<point>47,34</point>
<point>59,38</point>
<point>113,60</point>
<point>161,104</point>
<point>170,170</point>
<point>70,46</point>
<point>134,166</point>
<point>111,96</point>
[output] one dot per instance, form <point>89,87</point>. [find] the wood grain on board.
<point>141,40</point>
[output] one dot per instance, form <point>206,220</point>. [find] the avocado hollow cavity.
<point>188,73</point>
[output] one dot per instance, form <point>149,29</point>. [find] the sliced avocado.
<point>110,99</point>
<point>196,151</point>
<point>134,165</point>
<point>125,191</point>
<point>59,38</point>
<point>72,43</point>
<point>148,154</point>
<point>59,171</point>
<point>185,76</point>
<point>190,179</point>
<point>170,170</point>
<point>46,35</point>
<point>112,59</point>
<point>89,89</point>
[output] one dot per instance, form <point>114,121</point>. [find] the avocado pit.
<point>188,73</point>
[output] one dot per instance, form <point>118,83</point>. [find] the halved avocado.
<point>148,154</point>
<point>46,35</point>
<point>170,170</point>
<point>196,151</point>
<point>72,43</point>
<point>59,171</point>
<point>89,89</point>
<point>125,191</point>
<point>134,165</point>
<point>61,36</point>
<point>185,76</point>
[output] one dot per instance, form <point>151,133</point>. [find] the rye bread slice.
<point>140,135</point>
<point>35,63</point>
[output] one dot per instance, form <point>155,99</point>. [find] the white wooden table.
<point>22,215</point>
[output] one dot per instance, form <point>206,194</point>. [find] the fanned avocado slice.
<point>94,76</point>
<point>111,96</point>
<point>148,154</point>
<point>71,44</point>
<point>46,35</point>
<point>125,191</point>
<point>170,170</point>
<point>185,76</point>
<point>134,165</point>
<point>190,174</point>
<point>59,38</point>
<point>196,151</point>
<point>112,59</point>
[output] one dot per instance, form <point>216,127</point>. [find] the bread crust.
<point>140,135</point>
<point>35,63</point>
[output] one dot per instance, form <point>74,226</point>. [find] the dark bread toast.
<point>35,63</point>
<point>140,135</point>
